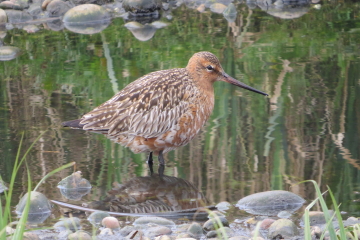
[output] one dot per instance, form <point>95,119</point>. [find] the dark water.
<point>308,128</point>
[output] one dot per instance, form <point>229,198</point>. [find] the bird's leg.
<point>162,164</point>
<point>150,163</point>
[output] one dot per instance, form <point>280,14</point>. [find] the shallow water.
<point>308,128</point>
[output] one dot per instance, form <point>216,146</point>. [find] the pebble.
<point>96,218</point>
<point>213,223</point>
<point>68,223</point>
<point>195,229</point>
<point>80,235</point>
<point>110,222</point>
<point>126,230</point>
<point>153,232</point>
<point>30,236</point>
<point>106,231</point>
<point>153,220</point>
<point>284,228</point>
<point>265,224</point>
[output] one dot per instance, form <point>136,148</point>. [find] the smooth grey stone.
<point>79,235</point>
<point>270,203</point>
<point>153,220</point>
<point>153,232</point>
<point>126,230</point>
<point>142,6</point>
<point>16,16</point>
<point>86,13</point>
<point>195,229</point>
<point>213,223</point>
<point>72,224</point>
<point>284,228</point>
<point>57,8</point>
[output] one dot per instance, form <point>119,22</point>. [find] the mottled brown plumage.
<point>162,110</point>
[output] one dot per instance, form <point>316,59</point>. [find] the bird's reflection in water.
<point>166,196</point>
<point>155,194</point>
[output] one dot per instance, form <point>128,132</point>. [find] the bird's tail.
<point>73,124</point>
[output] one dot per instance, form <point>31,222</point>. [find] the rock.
<point>142,6</point>
<point>110,222</point>
<point>265,224</point>
<point>184,235</point>
<point>239,238</point>
<point>95,218</point>
<point>230,13</point>
<point>31,28</point>
<point>163,237</point>
<point>68,223</point>
<point>126,230</point>
<point>30,236</point>
<point>64,234</point>
<point>221,233</point>
<point>16,16</point>
<point>9,230</point>
<point>284,228</point>
<point>141,32</point>
<point>8,53</point>
<point>214,223</point>
<point>195,229</point>
<point>316,232</point>
<point>10,5</point>
<point>57,8</point>
<point>40,207</point>
<point>80,235</point>
<point>223,206</point>
<point>106,231</point>
<point>3,19</point>
<point>270,203</point>
<point>153,232</point>
<point>284,214</point>
<point>86,13</point>
<point>201,8</point>
<point>153,220</point>
<point>135,235</point>
<point>217,7</point>
<point>317,217</point>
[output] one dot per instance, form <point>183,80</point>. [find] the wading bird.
<point>162,110</point>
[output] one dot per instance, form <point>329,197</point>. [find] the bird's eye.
<point>209,68</point>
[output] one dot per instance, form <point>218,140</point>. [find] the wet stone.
<point>30,236</point>
<point>230,13</point>
<point>270,203</point>
<point>195,229</point>
<point>73,187</point>
<point>40,207</point>
<point>153,232</point>
<point>239,238</point>
<point>10,5</point>
<point>217,7</point>
<point>223,206</point>
<point>184,235</point>
<point>110,222</point>
<point>95,218</point>
<point>153,220</point>
<point>214,223</point>
<point>142,6</point>
<point>126,230</point>
<point>86,13</point>
<point>80,235</point>
<point>163,237</point>
<point>68,223</point>
<point>284,228</point>
<point>317,217</point>
<point>16,16</point>
<point>266,223</point>
<point>222,233</point>
<point>106,231</point>
<point>57,8</point>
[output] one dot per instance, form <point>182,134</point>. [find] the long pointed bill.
<point>233,81</point>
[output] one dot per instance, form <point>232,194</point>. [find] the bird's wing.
<point>147,107</point>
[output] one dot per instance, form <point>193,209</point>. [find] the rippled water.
<point>308,128</point>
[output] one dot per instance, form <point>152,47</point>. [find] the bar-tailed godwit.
<point>162,110</point>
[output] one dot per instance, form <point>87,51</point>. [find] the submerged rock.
<point>153,220</point>
<point>40,207</point>
<point>230,13</point>
<point>72,224</point>
<point>96,218</point>
<point>74,186</point>
<point>270,203</point>
<point>215,223</point>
